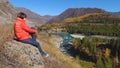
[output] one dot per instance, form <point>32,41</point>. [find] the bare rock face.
<point>7,12</point>
<point>15,54</point>
<point>1,1</point>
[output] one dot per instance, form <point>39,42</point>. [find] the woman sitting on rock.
<point>26,34</point>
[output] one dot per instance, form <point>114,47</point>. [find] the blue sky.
<point>55,7</point>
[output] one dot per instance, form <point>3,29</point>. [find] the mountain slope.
<point>7,12</point>
<point>100,18</point>
<point>34,17</point>
<point>74,12</point>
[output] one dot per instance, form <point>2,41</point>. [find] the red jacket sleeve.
<point>28,29</point>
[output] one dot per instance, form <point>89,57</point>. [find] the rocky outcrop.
<point>15,54</point>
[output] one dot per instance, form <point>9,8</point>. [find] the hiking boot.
<point>45,54</point>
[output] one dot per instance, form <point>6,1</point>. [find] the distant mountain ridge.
<point>74,12</point>
<point>117,13</point>
<point>34,17</point>
<point>8,14</point>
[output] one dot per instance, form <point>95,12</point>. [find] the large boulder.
<point>14,54</point>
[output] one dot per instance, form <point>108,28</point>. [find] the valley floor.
<point>58,59</point>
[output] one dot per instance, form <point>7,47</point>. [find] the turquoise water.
<point>65,47</point>
<point>67,37</point>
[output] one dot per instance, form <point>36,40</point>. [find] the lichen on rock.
<point>15,54</point>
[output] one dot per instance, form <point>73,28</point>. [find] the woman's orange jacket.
<point>21,30</point>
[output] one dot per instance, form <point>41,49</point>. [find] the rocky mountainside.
<point>19,55</point>
<point>74,12</point>
<point>47,17</point>
<point>7,12</point>
<point>34,17</point>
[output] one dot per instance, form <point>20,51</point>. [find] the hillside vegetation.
<point>90,24</point>
<point>6,33</point>
<point>102,18</point>
<point>103,52</point>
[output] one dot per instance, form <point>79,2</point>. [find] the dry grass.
<point>6,33</point>
<point>56,59</point>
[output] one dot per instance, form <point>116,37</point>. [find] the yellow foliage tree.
<point>107,52</point>
<point>76,43</point>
